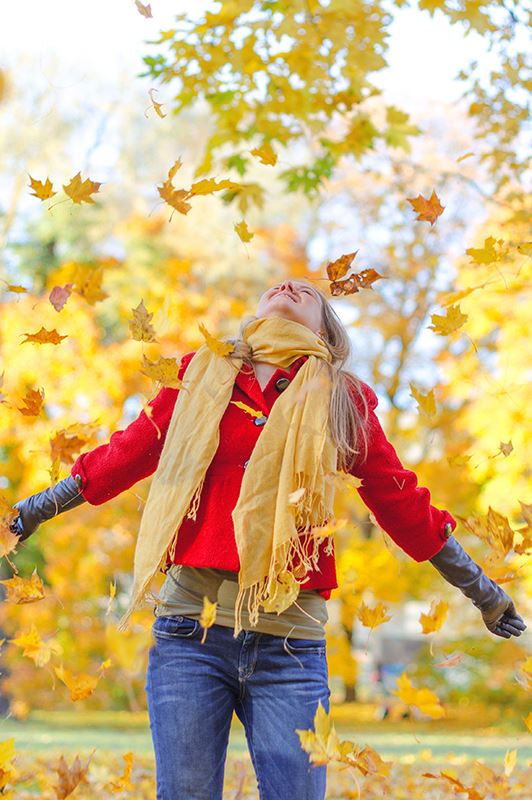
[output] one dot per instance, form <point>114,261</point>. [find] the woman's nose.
<point>286,285</point>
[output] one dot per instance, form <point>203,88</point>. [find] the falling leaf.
<point>13,287</point>
<point>36,648</point>
<point>216,345</point>
<point>525,248</point>
<point>34,403</point>
<point>41,190</point>
<point>242,230</point>
<point>164,370</point>
<point>506,448</point>
<point>373,617</point>
<point>427,702</point>
<point>322,743</point>
<point>426,402</point>
<point>493,528</point>
<point>157,106</point>
<point>145,11</point>
<point>471,792</point>
<point>80,191</point>
<point>207,616</point>
<point>360,280</point>
<point>452,660</point>
<point>510,760</point>
<point>528,721</point>
<point>443,325</point>
<point>265,153</point>
<point>140,327</point>
<point>459,460</point>
<point>489,253</point>
<point>466,155</point>
<point>246,408</point>
<point>427,210</point>
<point>44,336</point>
<point>81,686</point>
<point>24,590</point>
<point>112,595</point>
<point>59,295</point>
<point>283,592</point>
<point>433,621</point>
<point>123,782</point>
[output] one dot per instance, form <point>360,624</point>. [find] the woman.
<point>234,511</point>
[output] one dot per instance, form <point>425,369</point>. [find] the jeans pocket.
<point>175,627</point>
<point>305,645</point>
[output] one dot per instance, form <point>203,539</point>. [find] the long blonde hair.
<point>348,420</point>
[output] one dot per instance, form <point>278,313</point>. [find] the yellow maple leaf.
<point>491,252</point>
<point>164,370</point>
<point>435,618</point>
<point>322,743</point>
<point>41,190</point>
<point>449,323</point>
<point>427,702</point>
<point>244,234</point>
<point>140,326</point>
<point>207,616</point>
<point>216,345</point>
<point>283,592</point>
<point>80,191</point>
<point>373,617</point>
<point>123,782</point>
<point>36,648</point>
<point>24,590</point>
<point>265,153</point>
<point>80,686</point>
<point>426,402</point>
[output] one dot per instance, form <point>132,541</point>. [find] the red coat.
<point>389,490</point>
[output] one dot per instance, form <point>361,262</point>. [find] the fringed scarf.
<point>286,493</point>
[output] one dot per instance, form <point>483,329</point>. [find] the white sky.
<point>106,36</point>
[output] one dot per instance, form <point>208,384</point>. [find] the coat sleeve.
<point>401,507</point>
<point>130,454</point>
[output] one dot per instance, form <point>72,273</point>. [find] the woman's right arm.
<point>131,454</point>
<point>107,470</point>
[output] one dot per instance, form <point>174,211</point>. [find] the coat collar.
<point>248,384</point>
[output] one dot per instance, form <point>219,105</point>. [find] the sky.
<point>104,37</point>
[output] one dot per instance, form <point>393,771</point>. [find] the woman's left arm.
<point>403,509</point>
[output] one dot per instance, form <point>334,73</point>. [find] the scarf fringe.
<point>281,561</point>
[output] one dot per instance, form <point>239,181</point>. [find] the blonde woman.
<point>243,457</point>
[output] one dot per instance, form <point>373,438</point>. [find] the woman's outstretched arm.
<point>109,469</point>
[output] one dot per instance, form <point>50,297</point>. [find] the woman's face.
<point>293,300</point>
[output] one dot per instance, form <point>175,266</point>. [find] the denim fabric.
<point>273,684</point>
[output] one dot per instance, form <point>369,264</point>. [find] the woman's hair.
<point>348,410</point>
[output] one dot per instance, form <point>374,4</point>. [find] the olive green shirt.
<point>184,588</point>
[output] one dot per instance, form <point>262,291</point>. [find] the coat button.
<point>78,480</point>
<point>281,384</point>
<point>447,530</point>
<point>246,462</point>
<point>260,420</point>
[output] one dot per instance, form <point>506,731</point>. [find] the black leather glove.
<point>496,607</point>
<point>39,507</point>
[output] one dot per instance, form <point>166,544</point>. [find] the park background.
<point>437,101</point>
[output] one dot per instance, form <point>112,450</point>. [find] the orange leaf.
<point>34,402</point>
<point>44,337</point>
<point>427,210</point>
<point>41,190</point>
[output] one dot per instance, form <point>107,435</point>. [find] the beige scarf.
<point>286,492</point>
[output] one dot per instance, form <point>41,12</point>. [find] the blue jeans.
<point>192,690</point>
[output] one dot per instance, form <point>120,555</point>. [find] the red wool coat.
<point>390,491</point>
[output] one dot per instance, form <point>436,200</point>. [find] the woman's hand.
<point>39,507</point>
<point>497,608</point>
<point>503,620</point>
